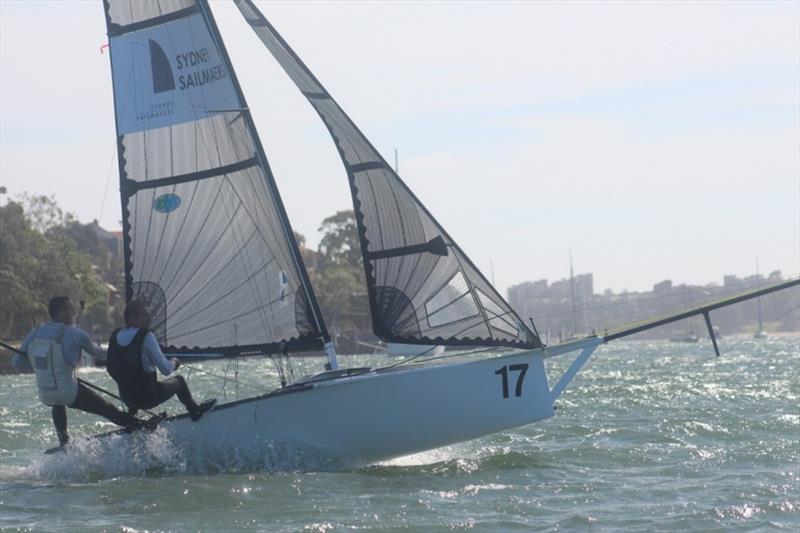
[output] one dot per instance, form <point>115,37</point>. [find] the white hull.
<point>381,415</point>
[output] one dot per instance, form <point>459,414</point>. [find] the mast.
<point>758,300</point>
<point>573,297</point>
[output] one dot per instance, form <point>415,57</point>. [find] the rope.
<point>415,357</point>
<point>224,377</point>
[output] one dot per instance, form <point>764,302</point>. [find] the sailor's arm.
<point>86,343</point>
<point>160,361</point>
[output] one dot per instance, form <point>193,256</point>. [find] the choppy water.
<point>650,436</point>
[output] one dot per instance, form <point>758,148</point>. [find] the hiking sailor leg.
<point>60,422</point>
<point>89,401</point>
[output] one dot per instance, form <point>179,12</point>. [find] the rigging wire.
<point>108,180</point>
<point>434,358</point>
<point>259,387</point>
<point>408,360</point>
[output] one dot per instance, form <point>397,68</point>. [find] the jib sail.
<point>207,243</point>
<point>422,287</point>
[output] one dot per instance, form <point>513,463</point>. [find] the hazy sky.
<point>656,140</point>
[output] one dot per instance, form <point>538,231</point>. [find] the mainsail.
<point>422,287</point>
<point>207,243</point>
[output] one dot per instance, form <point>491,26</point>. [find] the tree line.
<point>45,251</point>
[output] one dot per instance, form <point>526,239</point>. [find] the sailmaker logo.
<point>174,80</point>
<point>162,72</point>
<point>193,68</point>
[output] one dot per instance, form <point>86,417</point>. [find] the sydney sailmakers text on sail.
<point>194,69</point>
<point>169,74</point>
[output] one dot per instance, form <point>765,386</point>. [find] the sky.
<point>653,140</point>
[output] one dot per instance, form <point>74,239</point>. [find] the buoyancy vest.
<point>55,379</point>
<point>137,387</point>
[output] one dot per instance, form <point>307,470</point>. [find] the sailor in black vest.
<point>53,352</point>
<point>133,357</point>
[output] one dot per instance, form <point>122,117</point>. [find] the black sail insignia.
<point>207,243</point>
<point>422,287</point>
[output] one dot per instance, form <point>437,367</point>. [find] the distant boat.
<point>760,333</point>
<point>691,335</point>
<point>688,338</point>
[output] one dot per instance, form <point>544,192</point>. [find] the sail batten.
<point>132,186</point>
<point>422,287</point>
<point>206,240</point>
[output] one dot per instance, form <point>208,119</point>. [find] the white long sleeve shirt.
<point>152,356</point>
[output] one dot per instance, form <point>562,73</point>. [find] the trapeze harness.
<point>124,363</point>
<point>55,379</point>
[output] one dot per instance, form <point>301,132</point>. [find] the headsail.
<point>422,287</point>
<point>206,240</point>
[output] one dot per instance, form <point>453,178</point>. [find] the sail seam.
<point>132,186</point>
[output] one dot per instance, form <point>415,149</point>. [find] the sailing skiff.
<point>209,247</point>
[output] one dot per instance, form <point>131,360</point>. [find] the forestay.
<point>422,287</point>
<point>206,240</point>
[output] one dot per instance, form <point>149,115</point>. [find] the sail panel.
<point>423,289</point>
<point>120,14</point>
<point>212,142</point>
<point>207,244</point>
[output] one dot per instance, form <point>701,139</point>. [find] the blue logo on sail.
<point>162,72</point>
<point>166,203</point>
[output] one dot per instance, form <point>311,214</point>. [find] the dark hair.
<point>56,305</point>
<point>133,309</point>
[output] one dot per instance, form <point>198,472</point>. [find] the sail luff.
<point>126,251</point>
<point>270,179</point>
<point>375,186</point>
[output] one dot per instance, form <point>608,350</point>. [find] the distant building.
<point>728,281</point>
<point>663,287</point>
<point>559,316</point>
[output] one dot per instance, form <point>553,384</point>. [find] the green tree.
<point>43,212</point>
<point>340,244</point>
<point>38,261</point>
<point>336,286</point>
<point>339,277</point>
